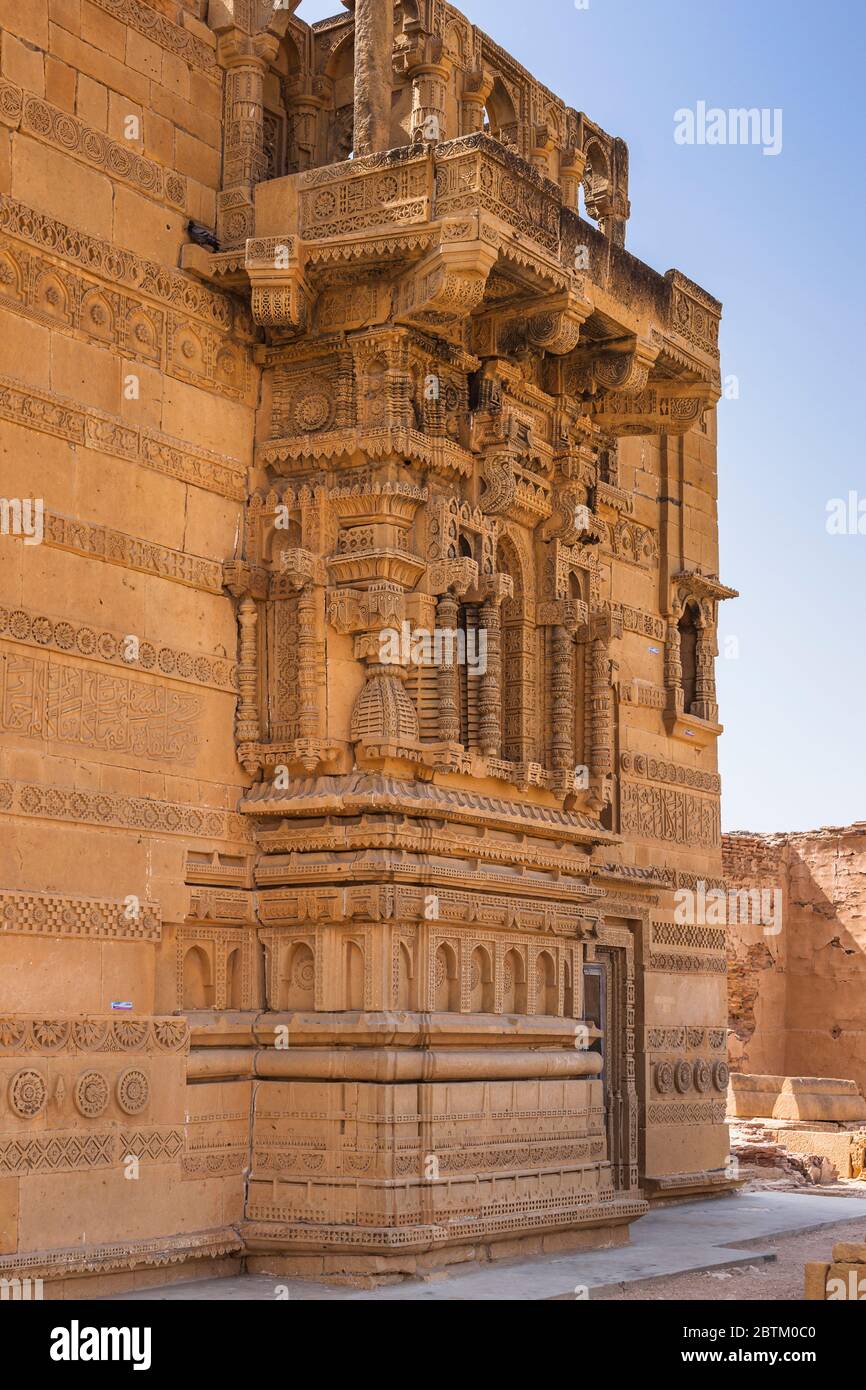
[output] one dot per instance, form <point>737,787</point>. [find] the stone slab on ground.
<point>706,1234</point>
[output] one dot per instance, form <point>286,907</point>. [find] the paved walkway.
<point>704,1234</point>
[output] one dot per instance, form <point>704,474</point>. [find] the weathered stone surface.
<point>795,1098</point>
<point>797,990</point>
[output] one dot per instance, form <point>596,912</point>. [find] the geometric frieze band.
<point>695,938</point>
<point>122,812</point>
<point>665,814</point>
<point>41,699</point>
<point>290,907</point>
<point>76,305</point>
<point>81,640</point>
<point>685,1039</point>
<point>92,1032</point>
<point>162,32</point>
<point>93,429</point>
<point>38,118</point>
<point>54,914</point>
<point>709,1112</point>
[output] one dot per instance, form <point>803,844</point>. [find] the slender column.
<point>447,610</point>
<point>429,85</point>
<point>705,705</point>
<point>562,700</point>
<point>374,44</point>
<point>247,726</point>
<point>674,668</point>
<point>601,750</point>
<point>245,160</point>
<point>490,724</point>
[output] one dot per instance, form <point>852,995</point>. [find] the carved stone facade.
<point>357,708</point>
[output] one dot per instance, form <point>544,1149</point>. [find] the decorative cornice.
<point>120,1255</point>
<point>118,266</point>
<point>160,30</point>
<point>33,116</point>
<point>118,548</point>
<point>36,408</point>
<point>97,644</point>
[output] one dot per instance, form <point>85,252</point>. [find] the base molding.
<point>85,1264</point>
<point>367,1268</point>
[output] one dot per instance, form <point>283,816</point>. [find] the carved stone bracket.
<point>453,576</point>
<point>362,610</point>
<point>281,297</point>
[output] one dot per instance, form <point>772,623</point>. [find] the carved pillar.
<point>309,664</point>
<point>374,43</point>
<point>477,87</point>
<point>599,633</point>
<point>572,166</point>
<point>490,725</point>
<point>561,616</point>
<point>245,160</point>
<point>542,150</point>
<point>429,86</point>
<point>247,584</point>
<point>600,710</point>
<point>304,574</point>
<point>447,612</point>
<point>705,705</point>
<point>674,668</point>
<point>562,700</point>
<point>247,725</point>
<point>304,115</point>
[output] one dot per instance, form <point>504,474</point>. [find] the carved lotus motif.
<point>49,1035</point>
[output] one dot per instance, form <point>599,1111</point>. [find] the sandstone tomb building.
<point>394,936</point>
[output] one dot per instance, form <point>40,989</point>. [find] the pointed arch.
<point>446,997</point>
<point>514,983</point>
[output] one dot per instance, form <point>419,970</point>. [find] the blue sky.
<point>778,240</point>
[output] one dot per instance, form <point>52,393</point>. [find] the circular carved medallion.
<point>702,1075</point>
<point>664,1078</point>
<point>683,1077</point>
<point>28,1093</point>
<point>721,1076</point>
<point>133,1091</point>
<point>91,1094</point>
<point>312,410</point>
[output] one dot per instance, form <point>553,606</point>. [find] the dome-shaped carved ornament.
<point>384,710</point>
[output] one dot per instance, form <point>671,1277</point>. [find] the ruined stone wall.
<point>797,997</point>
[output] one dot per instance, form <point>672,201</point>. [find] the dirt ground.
<point>780,1279</point>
